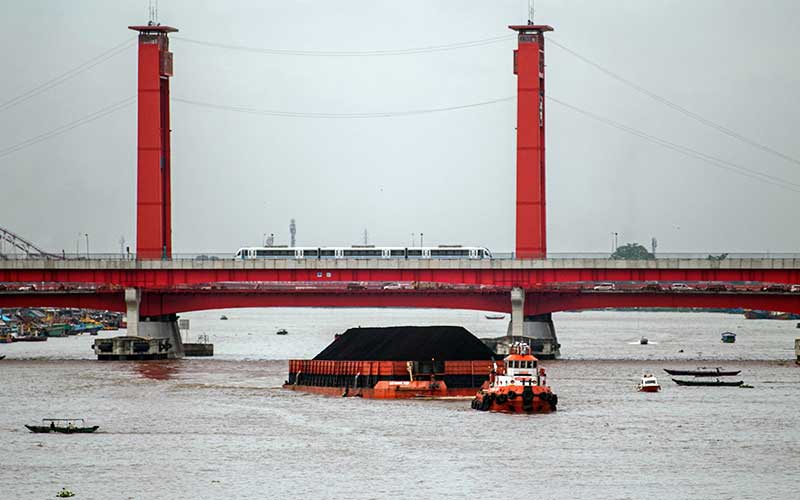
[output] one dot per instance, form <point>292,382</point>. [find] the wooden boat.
<point>649,383</point>
<point>56,330</point>
<point>62,425</point>
<point>31,338</point>
<point>713,383</point>
<point>704,372</point>
<point>519,387</point>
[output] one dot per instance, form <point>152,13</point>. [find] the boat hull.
<point>540,400</point>
<point>708,383</point>
<point>650,388</point>
<point>703,373</point>
<point>45,429</point>
<point>390,390</point>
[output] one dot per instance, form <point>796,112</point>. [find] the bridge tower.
<point>153,204</point>
<point>531,237</point>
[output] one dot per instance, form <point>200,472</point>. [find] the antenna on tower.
<point>531,9</point>
<point>292,232</point>
<point>153,13</point>
<point>366,237</point>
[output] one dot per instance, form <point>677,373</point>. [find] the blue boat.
<point>729,337</point>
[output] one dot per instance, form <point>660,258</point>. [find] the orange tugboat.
<point>520,387</point>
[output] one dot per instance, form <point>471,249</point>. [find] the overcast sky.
<point>449,174</point>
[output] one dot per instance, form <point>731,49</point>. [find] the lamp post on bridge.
<point>87,244</point>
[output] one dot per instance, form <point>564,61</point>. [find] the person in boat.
<point>542,376</point>
<point>70,426</point>
<point>52,426</point>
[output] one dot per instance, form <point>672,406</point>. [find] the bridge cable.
<point>293,114</point>
<point>53,82</point>
<point>677,107</point>
<point>352,53</point>
<point>68,126</point>
<point>718,162</point>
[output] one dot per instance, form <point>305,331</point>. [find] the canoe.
<point>719,383</point>
<point>712,372</point>
<point>63,426</point>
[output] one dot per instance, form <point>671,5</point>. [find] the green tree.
<point>719,257</point>
<point>632,251</point>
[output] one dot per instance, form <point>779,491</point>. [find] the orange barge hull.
<point>389,379</point>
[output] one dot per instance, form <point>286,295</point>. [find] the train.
<point>364,252</point>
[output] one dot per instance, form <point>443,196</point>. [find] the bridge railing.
<point>215,256</point>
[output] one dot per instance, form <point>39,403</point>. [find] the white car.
<point>795,288</point>
<point>604,286</point>
<point>680,286</point>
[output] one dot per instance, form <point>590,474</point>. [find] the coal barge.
<point>402,362</point>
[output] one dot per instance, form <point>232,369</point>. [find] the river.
<point>224,428</point>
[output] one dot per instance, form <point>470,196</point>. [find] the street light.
<point>421,236</point>
<point>412,239</point>
<point>87,244</point>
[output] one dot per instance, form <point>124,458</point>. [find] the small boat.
<point>282,331</point>
<point>65,493</point>
<point>62,425</point>
<point>56,330</point>
<point>519,387</point>
<point>223,317</point>
<point>31,338</point>
<point>728,337</point>
<point>643,341</point>
<point>649,383</point>
<point>704,372</point>
<point>494,316</point>
<point>2,356</point>
<point>712,383</point>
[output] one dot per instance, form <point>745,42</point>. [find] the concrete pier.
<point>148,337</point>
<point>537,331</point>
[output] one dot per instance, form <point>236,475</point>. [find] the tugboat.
<point>519,387</point>
<point>649,383</point>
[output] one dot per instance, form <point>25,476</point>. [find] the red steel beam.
<point>156,303</point>
<point>526,278</point>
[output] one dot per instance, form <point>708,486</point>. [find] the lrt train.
<point>364,252</point>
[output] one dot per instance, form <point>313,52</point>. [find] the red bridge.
<point>156,286</point>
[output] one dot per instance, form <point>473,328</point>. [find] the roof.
<point>154,28</point>
<point>530,27</point>
<point>406,343</point>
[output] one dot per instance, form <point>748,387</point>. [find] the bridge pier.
<point>536,330</point>
<point>148,337</point>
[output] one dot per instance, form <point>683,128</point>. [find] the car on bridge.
<point>680,287</point>
<point>604,287</point>
<point>774,287</point>
<point>795,288</point>
<point>715,287</point>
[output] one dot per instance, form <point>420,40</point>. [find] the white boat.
<point>495,316</point>
<point>649,383</point>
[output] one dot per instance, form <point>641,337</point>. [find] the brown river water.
<point>223,428</point>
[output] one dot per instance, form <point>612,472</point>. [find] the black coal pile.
<point>406,343</point>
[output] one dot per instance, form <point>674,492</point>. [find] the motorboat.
<point>712,383</point>
<point>63,426</point>
<point>649,383</point>
<point>704,372</point>
<point>282,331</point>
<point>518,387</point>
<point>643,341</point>
<point>728,337</point>
<point>223,317</point>
<point>2,356</point>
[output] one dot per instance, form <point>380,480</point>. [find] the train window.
<point>414,253</point>
<point>398,253</point>
<point>326,253</point>
<point>310,253</point>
